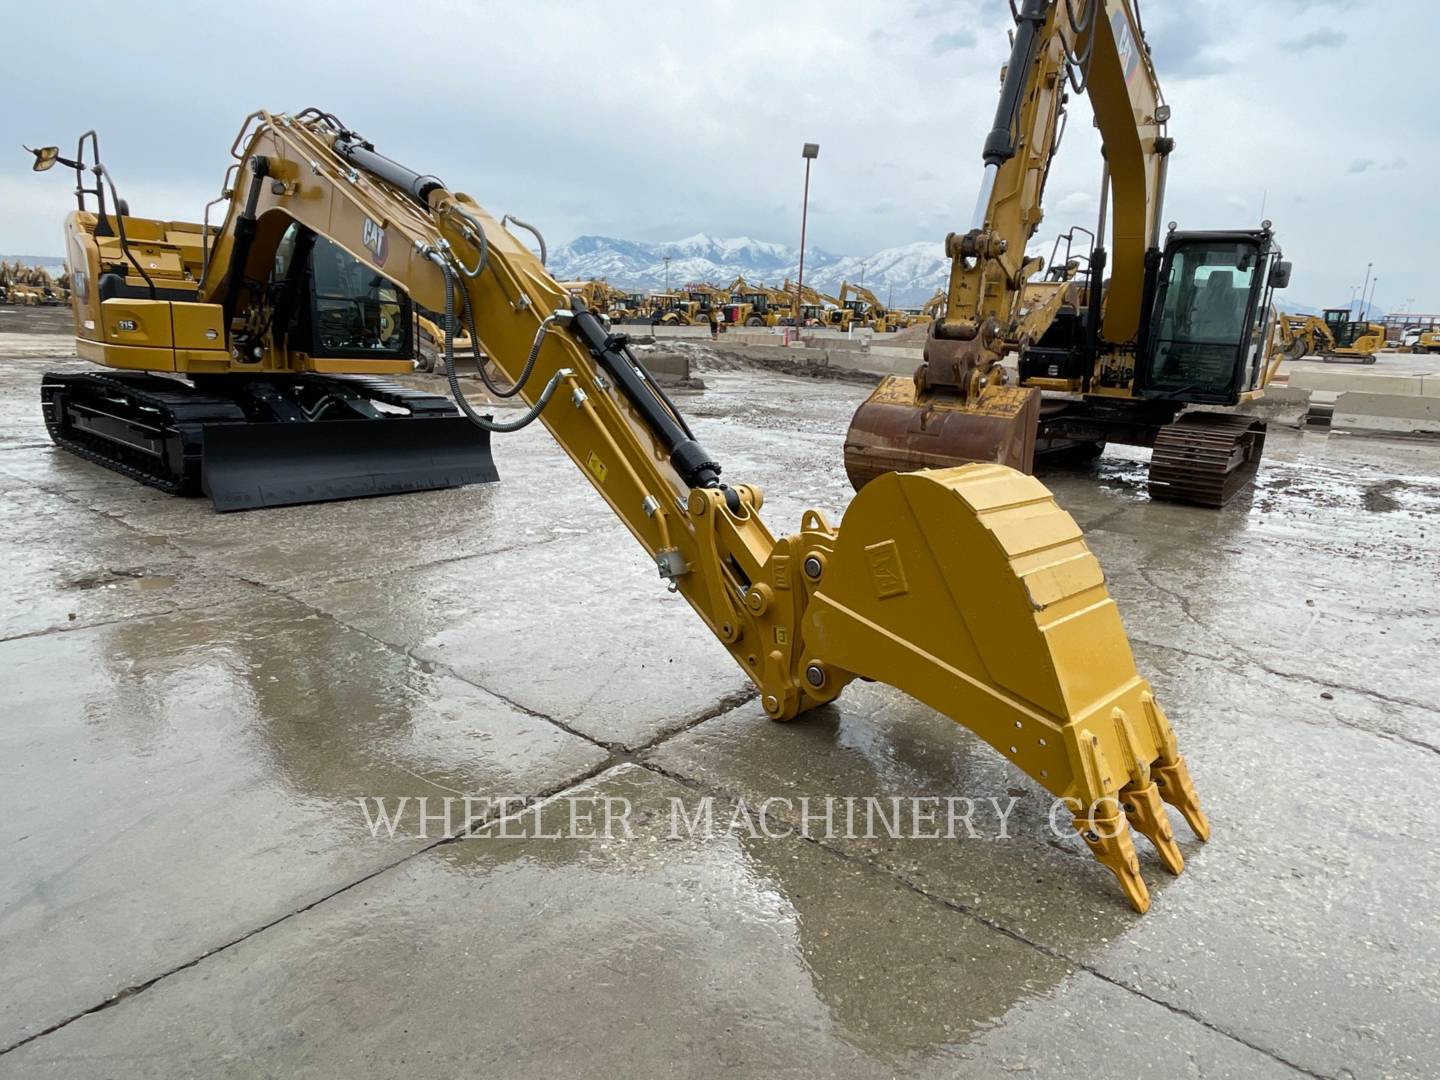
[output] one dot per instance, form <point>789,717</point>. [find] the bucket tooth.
<point>1178,790</point>
<point>1146,814</point>
<point>1108,838</point>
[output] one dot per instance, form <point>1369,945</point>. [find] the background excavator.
<point>1338,338</point>
<point>1181,320</point>
<point>283,340</point>
<point>968,588</point>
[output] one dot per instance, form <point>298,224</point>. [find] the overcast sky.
<point>656,121</point>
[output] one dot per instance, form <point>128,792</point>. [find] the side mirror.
<point>1280,276</point>
<point>45,157</point>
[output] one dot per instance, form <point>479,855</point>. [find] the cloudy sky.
<point>656,121</point>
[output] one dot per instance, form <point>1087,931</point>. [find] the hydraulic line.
<point>485,422</point>
<point>531,229</point>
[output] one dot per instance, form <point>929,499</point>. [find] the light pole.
<point>1365,314</point>
<point>862,273</point>
<point>809,152</point>
<point>1350,307</point>
<point>667,273</point>
<point>1365,286</point>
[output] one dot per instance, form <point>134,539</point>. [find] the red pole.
<point>800,284</point>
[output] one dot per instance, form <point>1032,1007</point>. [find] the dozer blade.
<point>895,430</point>
<point>248,466</point>
<point>972,591</point>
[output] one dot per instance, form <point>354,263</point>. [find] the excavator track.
<point>142,426</point>
<point>1205,458</point>
<point>255,442</point>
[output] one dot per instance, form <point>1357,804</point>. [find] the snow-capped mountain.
<point>903,276</point>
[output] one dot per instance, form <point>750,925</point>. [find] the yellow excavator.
<point>968,588</point>
<point>1338,338</point>
<point>1181,320</point>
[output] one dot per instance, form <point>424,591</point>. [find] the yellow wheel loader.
<point>754,306</point>
<point>967,588</point>
<point>819,309</point>
<point>1182,318</point>
<point>866,309</point>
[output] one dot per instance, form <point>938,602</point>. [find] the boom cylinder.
<point>413,184</point>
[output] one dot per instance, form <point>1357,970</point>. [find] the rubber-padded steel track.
<point>1205,458</point>
<point>168,414</point>
<point>247,449</point>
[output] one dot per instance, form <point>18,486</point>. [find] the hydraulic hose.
<point>485,422</point>
<point>477,232</point>
<point>531,229</point>
<point>525,372</point>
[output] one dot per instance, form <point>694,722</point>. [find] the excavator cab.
<point>1350,333</point>
<point>1208,325</point>
<point>333,305</point>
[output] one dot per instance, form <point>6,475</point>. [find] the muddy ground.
<point>194,703</point>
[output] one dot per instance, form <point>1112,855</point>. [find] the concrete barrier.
<point>872,362</point>
<point>641,330</point>
<point>867,363</point>
<point>1365,382</point>
<point>1407,414</point>
<point>667,367</point>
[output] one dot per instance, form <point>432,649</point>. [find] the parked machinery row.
<point>32,286</point>
<point>743,303</point>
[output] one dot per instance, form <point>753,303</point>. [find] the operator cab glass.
<point>357,310</point>
<point>1207,342</point>
<point>1344,329</point>
<point>352,310</point>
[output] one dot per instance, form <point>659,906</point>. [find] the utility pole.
<point>667,273</point>
<point>810,151</point>
<point>1365,285</point>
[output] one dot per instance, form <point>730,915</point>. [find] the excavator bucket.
<point>972,591</point>
<point>248,466</point>
<point>896,431</point>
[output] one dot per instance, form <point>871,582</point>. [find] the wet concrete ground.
<point>193,704</point>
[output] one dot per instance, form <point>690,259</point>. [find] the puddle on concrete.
<point>110,578</point>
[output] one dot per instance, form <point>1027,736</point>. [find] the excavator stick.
<point>895,430</point>
<point>972,591</point>
<point>250,466</point>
